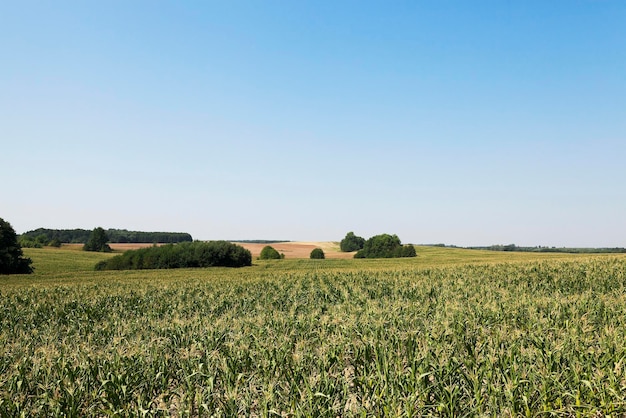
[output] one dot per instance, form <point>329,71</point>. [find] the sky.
<point>459,122</point>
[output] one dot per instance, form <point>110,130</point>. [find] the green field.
<point>450,333</point>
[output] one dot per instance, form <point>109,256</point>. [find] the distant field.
<point>299,249</point>
<point>451,332</point>
<point>114,246</point>
<point>290,249</point>
<point>427,254</point>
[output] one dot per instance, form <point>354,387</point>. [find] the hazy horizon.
<point>462,123</point>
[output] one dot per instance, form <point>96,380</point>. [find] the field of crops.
<point>450,336</point>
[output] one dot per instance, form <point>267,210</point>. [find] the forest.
<point>80,236</point>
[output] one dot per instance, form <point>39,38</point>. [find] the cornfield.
<point>535,338</point>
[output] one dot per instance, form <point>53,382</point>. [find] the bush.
<point>408,251</point>
<point>11,255</point>
<point>351,243</point>
<point>26,242</point>
<point>385,246</point>
<point>183,255</point>
<point>317,254</point>
<point>269,253</point>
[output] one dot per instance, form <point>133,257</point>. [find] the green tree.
<point>269,253</point>
<point>351,243</point>
<point>385,246</point>
<point>26,242</point>
<point>11,255</point>
<point>317,254</point>
<point>97,241</point>
<point>408,251</point>
<point>55,243</point>
<point>42,239</point>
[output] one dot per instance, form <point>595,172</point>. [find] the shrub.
<point>408,251</point>
<point>385,246</point>
<point>26,242</point>
<point>183,255</point>
<point>351,243</point>
<point>317,254</point>
<point>269,253</point>
<point>55,243</point>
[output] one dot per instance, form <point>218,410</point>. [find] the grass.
<point>450,333</point>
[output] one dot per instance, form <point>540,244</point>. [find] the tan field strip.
<point>114,246</point>
<point>300,249</point>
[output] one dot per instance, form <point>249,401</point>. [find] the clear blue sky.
<point>458,122</point>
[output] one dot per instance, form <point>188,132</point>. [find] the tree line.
<point>43,236</point>
<point>181,255</point>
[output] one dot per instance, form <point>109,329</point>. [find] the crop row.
<point>490,340</point>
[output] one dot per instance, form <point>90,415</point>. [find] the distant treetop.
<point>351,243</point>
<point>97,241</point>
